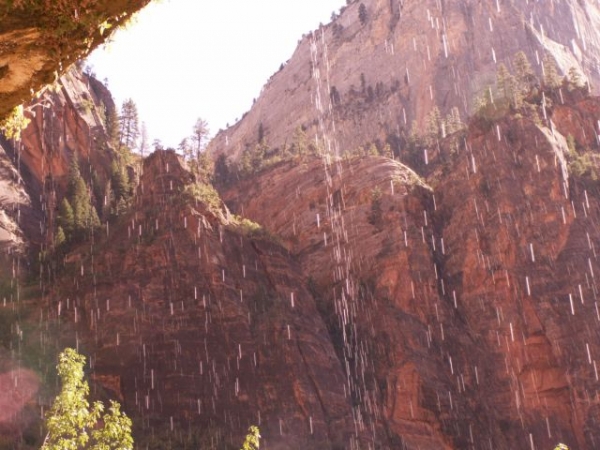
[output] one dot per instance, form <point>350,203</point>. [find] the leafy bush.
<point>204,193</point>
<point>15,123</point>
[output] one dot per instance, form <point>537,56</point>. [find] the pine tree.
<point>81,207</point>
<point>414,137</point>
<point>205,166</point>
<point>97,189</point>
<point>60,237</point>
<point>524,76</point>
<point>186,149</point>
<point>112,126</point>
<point>222,172</point>
<point>245,163</point>
<point>433,124</point>
<point>73,176</point>
<point>119,181</point>
<point>299,145</point>
<point>200,132</point>
<point>108,201</point>
<point>504,82</point>
<point>66,218</point>
<point>128,125</point>
<point>552,78</point>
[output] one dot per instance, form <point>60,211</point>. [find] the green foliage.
<point>581,164</point>
<point>60,237</point>
<point>524,75</point>
<point>76,213</point>
<point>204,166</point>
<point>66,218</point>
<point>87,105</point>
<point>372,151</point>
<point>252,441</point>
<point>552,78</point>
<point>120,181</point>
<point>222,172</point>
<point>414,137</point>
<point>507,86</point>
<point>299,142</point>
<point>200,132</point>
<point>571,145</point>
<point>387,151</point>
<point>575,80</point>
<point>204,193</point>
<point>112,126</point>
<point>14,124</point>
<point>433,126</point>
<point>128,125</point>
<point>72,424</point>
<point>186,149</point>
<point>247,226</point>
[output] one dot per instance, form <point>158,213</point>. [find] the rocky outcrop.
<point>353,82</point>
<point>198,326</point>
<point>40,40</point>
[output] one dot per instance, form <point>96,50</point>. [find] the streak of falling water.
<point>347,304</point>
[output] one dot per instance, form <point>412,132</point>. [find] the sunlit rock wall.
<point>349,84</point>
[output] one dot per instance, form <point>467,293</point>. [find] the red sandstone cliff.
<point>471,294</point>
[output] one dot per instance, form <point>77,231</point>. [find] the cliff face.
<point>469,293</point>
<point>66,123</point>
<point>351,83</point>
<point>195,324</point>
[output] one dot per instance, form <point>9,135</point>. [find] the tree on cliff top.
<point>200,132</point>
<point>72,424</point>
<point>128,125</point>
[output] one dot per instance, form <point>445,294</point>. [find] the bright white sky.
<point>185,59</point>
